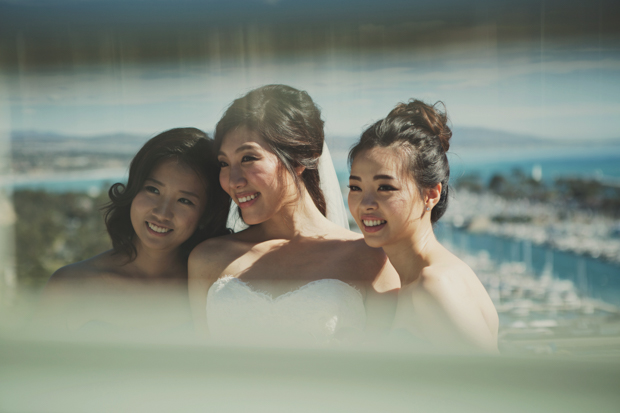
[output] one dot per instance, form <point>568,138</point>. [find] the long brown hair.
<point>189,146</point>
<point>290,123</point>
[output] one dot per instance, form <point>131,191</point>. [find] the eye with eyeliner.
<point>386,188</point>
<point>249,158</point>
<point>151,189</point>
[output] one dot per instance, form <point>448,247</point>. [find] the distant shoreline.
<point>103,174</point>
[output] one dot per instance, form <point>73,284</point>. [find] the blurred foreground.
<point>53,376</point>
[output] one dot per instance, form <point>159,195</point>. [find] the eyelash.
<point>246,158</point>
<point>155,191</point>
<point>356,188</point>
<point>387,188</point>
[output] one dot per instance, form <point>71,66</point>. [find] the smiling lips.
<point>374,224</point>
<point>157,229</point>
<point>246,201</point>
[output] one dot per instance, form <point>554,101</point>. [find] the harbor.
<point>552,297</point>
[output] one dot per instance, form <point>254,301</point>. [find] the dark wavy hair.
<point>423,134</point>
<point>291,125</point>
<point>189,146</point>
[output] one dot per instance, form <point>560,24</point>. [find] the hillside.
<point>469,137</point>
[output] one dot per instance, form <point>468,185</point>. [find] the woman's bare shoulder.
<point>450,283</point>
<point>449,293</point>
<point>449,275</point>
<point>212,256</point>
<point>221,247</point>
<point>90,273</point>
<point>371,264</point>
<point>87,270</point>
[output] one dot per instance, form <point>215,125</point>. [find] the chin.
<point>374,242</point>
<point>251,219</point>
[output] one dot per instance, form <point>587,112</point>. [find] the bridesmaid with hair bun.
<point>398,190</point>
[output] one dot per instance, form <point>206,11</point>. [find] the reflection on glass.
<point>533,98</point>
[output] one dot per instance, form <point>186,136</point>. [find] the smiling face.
<point>253,176</point>
<point>383,197</point>
<point>166,211</point>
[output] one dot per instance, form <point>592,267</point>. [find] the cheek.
<point>136,212</point>
<point>270,181</point>
<point>400,208</point>
<point>224,180</point>
<point>267,177</point>
<point>138,205</point>
<point>353,200</point>
<point>190,218</point>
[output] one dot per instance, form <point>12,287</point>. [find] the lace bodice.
<point>317,313</point>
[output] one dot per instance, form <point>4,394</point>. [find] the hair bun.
<point>430,119</point>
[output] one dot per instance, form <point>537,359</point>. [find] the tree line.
<point>570,193</point>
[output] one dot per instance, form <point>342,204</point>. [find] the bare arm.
<point>202,273</point>
<point>381,298</point>
<point>443,311</point>
<point>57,309</point>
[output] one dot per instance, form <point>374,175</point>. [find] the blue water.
<point>592,277</point>
<point>602,166</point>
<point>592,162</point>
<point>86,185</point>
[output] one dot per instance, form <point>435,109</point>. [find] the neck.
<point>301,219</point>
<point>411,254</point>
<point>157,264</point>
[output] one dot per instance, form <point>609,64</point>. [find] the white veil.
<point>336,211</point>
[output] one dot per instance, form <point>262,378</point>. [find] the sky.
<point>566,88</point>
<point>563,96</point>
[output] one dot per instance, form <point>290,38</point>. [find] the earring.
<point>428,209</point>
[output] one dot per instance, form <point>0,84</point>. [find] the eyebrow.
<point>375,178</point>
<point>184,192</point>
<point>242,148</point>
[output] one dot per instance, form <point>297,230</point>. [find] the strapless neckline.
<point>318,312</point>
<point>269,297</point>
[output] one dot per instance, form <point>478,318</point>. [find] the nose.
<point>163,210</point>
<point>236,178</point>
<point>369,203</point>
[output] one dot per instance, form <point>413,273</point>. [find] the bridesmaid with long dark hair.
<point>172,201</point>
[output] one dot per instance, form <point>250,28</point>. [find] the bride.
<point>292,275</point>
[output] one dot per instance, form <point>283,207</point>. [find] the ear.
<point>432,196</point>
<point>300,169</point>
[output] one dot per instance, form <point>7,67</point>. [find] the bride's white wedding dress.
<point>319,313</point>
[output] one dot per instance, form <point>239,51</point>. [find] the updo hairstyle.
<point>291,125</point>
<point>189,146</point>
<point>421,131</point>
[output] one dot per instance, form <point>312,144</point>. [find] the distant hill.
<point>464,136</point>
<point>468,137</point>
<point>121,143</point>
